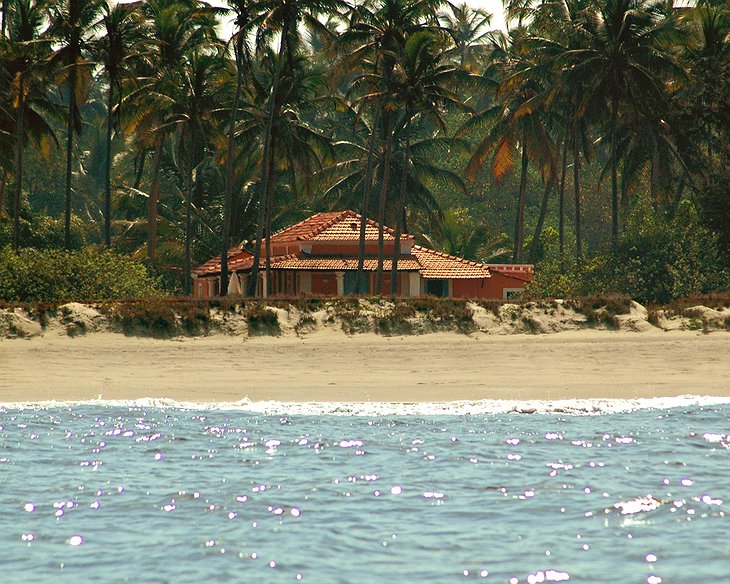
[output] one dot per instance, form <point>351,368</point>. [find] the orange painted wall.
<point>471,288</point>
<point>498,282</point>
<point>324,284</point>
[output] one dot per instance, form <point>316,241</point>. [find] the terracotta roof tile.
<point>342,226</point>
<point>236,256</point>
<point>438,265</point>
<point>407,263</point>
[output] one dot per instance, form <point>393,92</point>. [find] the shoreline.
<point>331,367</point>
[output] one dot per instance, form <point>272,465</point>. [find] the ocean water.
<point>150,491</point>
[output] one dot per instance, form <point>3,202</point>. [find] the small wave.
<point>578,407</point>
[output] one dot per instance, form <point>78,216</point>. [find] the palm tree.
<point>26,72</point>
<point>469,31</point>
<point>424,86</point>
<point>625,65</point>
<point>522,125</point>
<point>282,17</point>
<point>71,23</point>
<point>179,27</point>
<point>376,36</point>
<point>244,17</point>
<point>121,42</point>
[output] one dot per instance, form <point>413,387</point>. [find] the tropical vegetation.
<point>590,137</point>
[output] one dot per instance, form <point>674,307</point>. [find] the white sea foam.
<point>450,408</point>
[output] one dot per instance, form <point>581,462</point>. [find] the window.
<point>438,288</point>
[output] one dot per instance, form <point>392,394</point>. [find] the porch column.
<point>265,285</point>
<point>305,282</point>
<point>414,287</point>
<point>340,283</point>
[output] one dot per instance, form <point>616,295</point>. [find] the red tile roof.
<point>341,226</point>
<point>438,265</point>
<point>407,263</point>
<point>236,258</point>
<point>345,226</point>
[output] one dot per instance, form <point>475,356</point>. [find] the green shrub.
<point>145,319</point>
<point>261,320</point>
<point>659,258</point>
<point>57,276</point>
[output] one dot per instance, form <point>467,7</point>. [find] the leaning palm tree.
<point>71,24</point>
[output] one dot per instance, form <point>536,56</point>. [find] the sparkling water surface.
<point>99,493</point>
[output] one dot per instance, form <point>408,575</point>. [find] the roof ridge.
<point>338,217</point>
<point>451,257</point>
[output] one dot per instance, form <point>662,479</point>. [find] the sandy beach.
<point>331,366</point>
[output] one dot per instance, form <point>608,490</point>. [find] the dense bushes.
<point>55,276</point>
<point>659,259</point>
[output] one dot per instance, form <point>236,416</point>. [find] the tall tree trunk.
<point>3,186</point>
<point>540,221</point>
<point>561,212</point>
<point>189,185</point>
<point>399,212</point>
<point>518,253</point>
<point>655,175</point>
<point>69,151</point>
<point>265,174</point>
<point>269,215</point>
<point>361,283</point>
<point>20,113</point>
<point>614,175</point>
<point>108,169</point>
<point>381,209</point>
<point>230,155</point>
<point>139,161</point>
<point>5,6</point>
<point>152,203</point>
<point>577,203</point>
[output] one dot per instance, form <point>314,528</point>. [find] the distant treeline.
<point>591,137</point>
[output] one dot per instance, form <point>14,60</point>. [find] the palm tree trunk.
<point>69,152</point>
<point>3,186</point>
<point>399,213</point>
<point>139,161</point>
<point>5,7</point>
<point>152,203</point>
<point>230,153</point>
<point>540,221</point>
<point>18,164</point>
<point>578,219</point>
<point>188,220</point>
<point>614,175</point>
<point>269,215</point>
<point>561,212</point>
<point>361,284</point>
<point>381,210</point>
<point>265,174</point>
<point>518,253</point>
<point>108,169</point>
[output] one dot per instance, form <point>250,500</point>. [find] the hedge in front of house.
<point>57,276</point>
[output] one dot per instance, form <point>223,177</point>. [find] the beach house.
<point>319,257</point>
